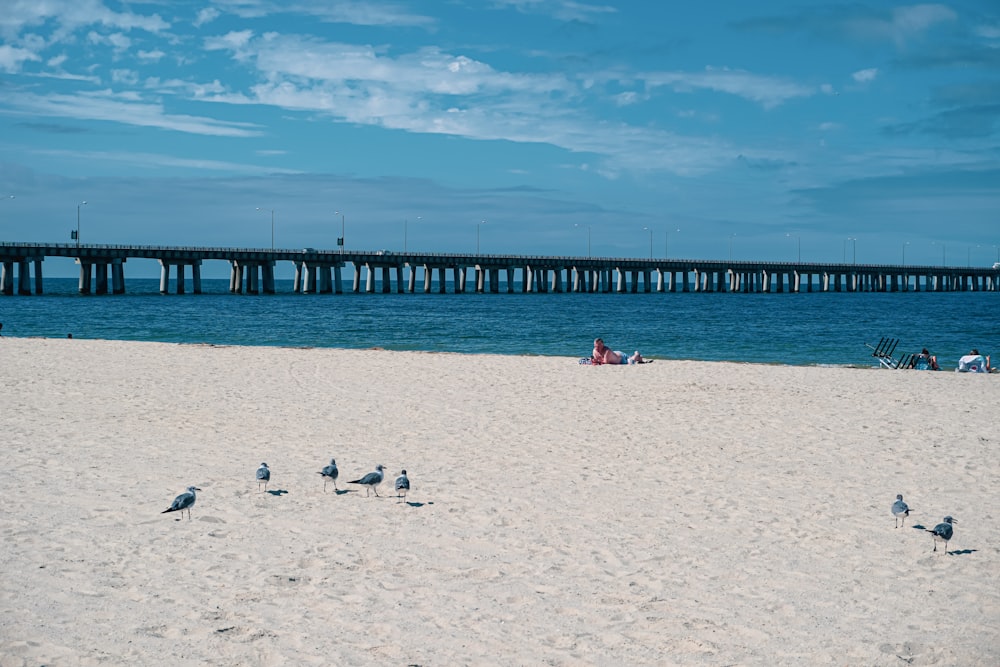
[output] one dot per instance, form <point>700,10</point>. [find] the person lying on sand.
<point>605,355</point>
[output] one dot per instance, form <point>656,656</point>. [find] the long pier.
<point>102,271</point>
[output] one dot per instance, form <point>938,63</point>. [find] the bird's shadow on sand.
<point>917,526</point>
<point>413,504</point>
<point>962,552</point>
<point>277,492</point>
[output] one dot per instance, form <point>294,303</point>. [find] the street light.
<point>854,249</point>
<point>798,240</point>
<point>340,241</point>
<point>83,203</point>
<point>478,225</point>
<point>650,241</point>
<point>588,236</point>
<point>943,251</point>
<point>272,224</point>
<point>905,243</point>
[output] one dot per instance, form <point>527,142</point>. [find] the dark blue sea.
<point>798,329</point>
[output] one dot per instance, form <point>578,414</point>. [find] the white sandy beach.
<point>675,513</point>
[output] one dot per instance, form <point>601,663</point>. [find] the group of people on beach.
<point>973,362</point>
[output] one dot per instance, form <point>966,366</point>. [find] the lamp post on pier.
<point>83,203</point>
<point>340,241</point>
<point>905,243</point>
<point>944,260</point>
<point>478,225</point>
<point>272,224</point>
<point>650,230</point>
<point>854,249</point>
<point>798,241</point>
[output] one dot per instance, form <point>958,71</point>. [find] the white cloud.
<point>150,160</point>
<point>627,99</point>
<point>12,58</point>
<point>125,109</point>
<point>366,13</point>
<point>151,56</point>
<point>904,23</point>
<point>865,75</point>
<point>118,41</point>
<point>206,15</point>
<point>767,91</point>
<point>564,10</point>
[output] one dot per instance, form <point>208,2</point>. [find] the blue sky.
<point>756,130</point>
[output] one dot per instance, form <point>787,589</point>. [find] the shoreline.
<point>688,513</point>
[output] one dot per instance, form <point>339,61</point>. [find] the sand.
<point>674,513</point>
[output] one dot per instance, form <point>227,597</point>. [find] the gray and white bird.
<point>330,473</point>
<point>263,476</point>
<point>371,480</point>
<point>185,501</point>
<point>942,532</point>
<point>900,510</point>
<point>402,485</point>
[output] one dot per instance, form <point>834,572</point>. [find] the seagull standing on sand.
<point>330,472</point>
<point>263,476</point>
<point>900,510</point>
<point>371,480</point>
<point>185,501</point>
<point>402,485</point>
<point>943,532</point>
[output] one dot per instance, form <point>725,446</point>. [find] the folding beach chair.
<point>884,353</point>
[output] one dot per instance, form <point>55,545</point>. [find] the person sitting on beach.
<point>974,362</point>
<point>605,355</point>
<point>925,361</point>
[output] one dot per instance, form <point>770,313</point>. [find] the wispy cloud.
<point>865,75</point>
<point>562,10</point>
<point>104,106</point>
<point>366,13</point>
<point>151,160</point>
<point>897,25</point>
<point>767,91</point>
<point>12,58</point>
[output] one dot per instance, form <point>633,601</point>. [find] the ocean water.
<point>797,329</point>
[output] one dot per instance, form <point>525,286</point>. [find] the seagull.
<point>943,532</point>
<point>402,485</point>
<point>330,472</point>
<point>900,510</point>
<point>263,475</point>
<point>185,501</point>
<point>371,480</point>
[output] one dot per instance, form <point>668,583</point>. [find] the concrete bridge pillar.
<point>399,279</point>
<point>386,279</point>
<point>23,278</point>
<point>85,277</point>
<point>266,277</point>
<point>510,280</point>
<point>7,278</point>
<point>100,278</point>
<point>338,284</point>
